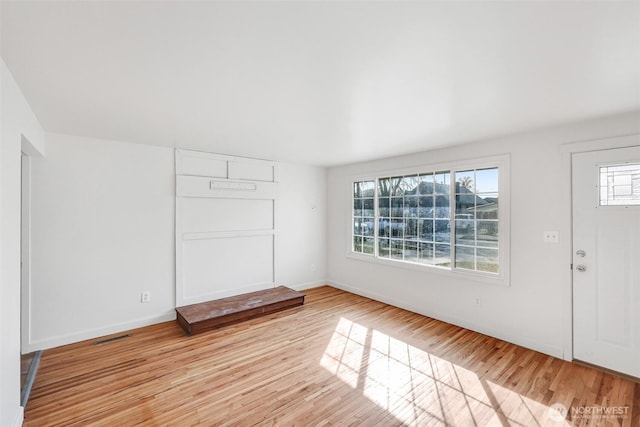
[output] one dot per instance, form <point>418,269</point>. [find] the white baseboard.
<point>98,332</point>
<point>518,340</point>
<point>125,326</point>
<point>307,285</point>
<point>19,417</point>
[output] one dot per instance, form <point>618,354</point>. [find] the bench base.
<point>205,316</point>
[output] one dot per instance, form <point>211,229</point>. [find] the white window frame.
<point>504,228</point>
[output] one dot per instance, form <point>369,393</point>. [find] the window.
<point>620,185</point>
<point>363,216</point>
<point>476,220</point>
<point>414,218</point>
<point>449,218</point>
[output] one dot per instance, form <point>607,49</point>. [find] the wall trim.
<point>121,327</point>
<point>308,285</point>
<point>239,178</point>
<point>98,332</point>
<point>19,417</point>
<point>521,341</point>
<point>610,142</point>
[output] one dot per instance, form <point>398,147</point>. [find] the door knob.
<point>581,253</point>
<point>581,268</point>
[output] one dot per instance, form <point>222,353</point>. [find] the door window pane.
<point>620,185</point>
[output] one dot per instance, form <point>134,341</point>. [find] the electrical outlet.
<point>313,267</point>
<point>478,301</point>
<point>550,237</point>
<point>145,296</point>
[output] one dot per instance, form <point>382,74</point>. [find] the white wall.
<point>535,310</point>
<point>20,131</point>
<point>301,239</point>
<point>103,231</point>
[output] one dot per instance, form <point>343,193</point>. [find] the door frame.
<point>28,153</point>
<point>567,150</point>
<point>25,252</point>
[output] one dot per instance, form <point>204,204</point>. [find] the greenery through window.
<point>442,218</point>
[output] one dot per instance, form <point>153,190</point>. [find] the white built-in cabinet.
<point>225,225</point>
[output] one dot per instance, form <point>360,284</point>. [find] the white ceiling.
<point>322,83</point>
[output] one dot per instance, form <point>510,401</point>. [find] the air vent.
<point>111,339</point>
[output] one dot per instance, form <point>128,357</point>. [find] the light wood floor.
<point>338,360</point>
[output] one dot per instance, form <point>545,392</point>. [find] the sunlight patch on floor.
<point>343,356</point>
<point>417,387</point>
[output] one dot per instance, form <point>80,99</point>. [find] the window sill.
<point>496,280</point>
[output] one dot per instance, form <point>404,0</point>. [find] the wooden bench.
<point>205,316</point>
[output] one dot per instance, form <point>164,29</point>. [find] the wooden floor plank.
<point>340,359</point>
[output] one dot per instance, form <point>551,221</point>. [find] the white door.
<point>606,258</point>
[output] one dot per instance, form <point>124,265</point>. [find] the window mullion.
<point>376,216</point>
<point>452,219</point>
